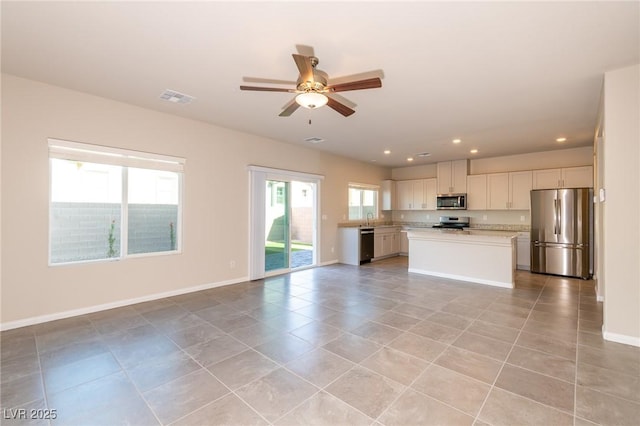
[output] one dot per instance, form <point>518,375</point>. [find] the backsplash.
<point>510,220</point>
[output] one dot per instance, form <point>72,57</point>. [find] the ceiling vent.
<point>176,97</point>
<point>314,139</point>
<point>424,154</point>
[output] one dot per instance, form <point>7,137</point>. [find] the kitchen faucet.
<point>369,216</point>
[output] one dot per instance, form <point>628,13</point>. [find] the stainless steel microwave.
<point>452,202</point>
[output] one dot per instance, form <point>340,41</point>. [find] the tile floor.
<point>335,345</point>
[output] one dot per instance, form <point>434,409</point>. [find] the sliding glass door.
<point>284,221</point>
<point>277,241</point>
<point>289,225</point>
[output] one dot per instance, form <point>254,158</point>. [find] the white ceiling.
<point>505,77</point>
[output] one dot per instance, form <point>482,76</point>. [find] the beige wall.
<point>216,198</point>
<point>621,210</point>
<point>570,157</point>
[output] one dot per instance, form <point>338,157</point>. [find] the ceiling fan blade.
<point>289,108</point>
<point>356,77</point>
<point>266,89</point>
<point>305,50</point>
<point>267,81</point>
<point>342,100</point>
<point>341,108</point>
<point>370,83</point>
<point>304,66</point>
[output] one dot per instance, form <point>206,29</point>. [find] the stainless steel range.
<point>453,222</point>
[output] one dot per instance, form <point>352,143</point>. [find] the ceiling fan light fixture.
<point>311,100</point>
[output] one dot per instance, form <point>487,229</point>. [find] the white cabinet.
<point>508,191</point>
<point>523,256</point>
<point>430,194</point>
<point>477,192</point>
<point>570,177</point>
<point>386,242</point>
<point>349,245</point>
<point>404,243</point>
<point>520,190</point>
<point>577,177</point>
<point>404,192</point>
<point>378,241</point>
<point>388,195</point>
<point>452,176</point>
<point>417,194</point>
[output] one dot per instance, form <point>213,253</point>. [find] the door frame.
<point>258,175</point>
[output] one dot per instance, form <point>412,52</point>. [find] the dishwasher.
<point>366,245</point>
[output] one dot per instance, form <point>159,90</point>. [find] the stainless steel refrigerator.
<point>562,232</point>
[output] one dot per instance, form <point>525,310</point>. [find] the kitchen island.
<point>479,256</point>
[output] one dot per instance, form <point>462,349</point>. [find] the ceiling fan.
<point>313,90</point>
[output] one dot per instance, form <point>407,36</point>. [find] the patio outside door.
<point>289,225</point>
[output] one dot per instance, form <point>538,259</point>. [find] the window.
<point>363,201</point>
<point>107,203</point>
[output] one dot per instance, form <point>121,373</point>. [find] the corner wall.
<point>215,211</point>
<point>621,209</point>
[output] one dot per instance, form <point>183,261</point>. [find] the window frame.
<point>363,187</point>
<point>83,152</point>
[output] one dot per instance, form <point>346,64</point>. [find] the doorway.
<point>284,221</point>
<point>289,225</point>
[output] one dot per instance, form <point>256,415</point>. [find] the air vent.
<point>176,97</point>
<point>424,154</point>
<point>314,139</point>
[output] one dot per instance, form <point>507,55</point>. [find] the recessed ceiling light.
<point>424,154</point>
<point>387,152</point>
<point>409,158</point>
<point>474,151</point>
<point>456,140</point>
<point>561,139</point>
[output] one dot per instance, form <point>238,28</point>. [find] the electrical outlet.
<point>521,218</point>
<point>332,250</point>
<point>428,216</point>
<point>484,217</point>
<point>324,217</point>
<point>232,264</point>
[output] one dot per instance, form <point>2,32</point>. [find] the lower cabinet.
<point>523,256</point>
<point>404,243</point>
<point>386,242</point>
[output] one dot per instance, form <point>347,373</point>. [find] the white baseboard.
<point>329,262</point>
<point>621,338</point>
<point>462,278</point>
<point>103,307</point>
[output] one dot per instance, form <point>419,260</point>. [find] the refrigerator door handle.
<point>555,217</point>
<point>559,218</point>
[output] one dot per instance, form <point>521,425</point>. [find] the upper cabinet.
<point>509,191</point>
<point>477,192</point>
<point>452,177</point>
<point>570,177</point>
<point>430,194</point>
<point>388,195</point>
<point>417,194</point>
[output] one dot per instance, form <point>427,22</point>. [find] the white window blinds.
<point>75,151</point>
